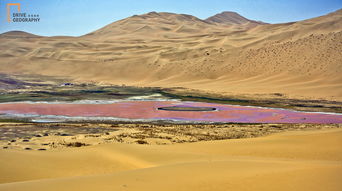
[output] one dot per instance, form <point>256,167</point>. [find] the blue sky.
<point>78,17</point>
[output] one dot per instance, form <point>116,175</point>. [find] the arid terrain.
<point>224,59</point>
<point>295,160</point>
<point>46,136</point>
<point>225,54</point>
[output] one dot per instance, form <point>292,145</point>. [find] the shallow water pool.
<point>148,111</point>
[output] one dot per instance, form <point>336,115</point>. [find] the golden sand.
<point>300,59</point>
<point>309,160</point>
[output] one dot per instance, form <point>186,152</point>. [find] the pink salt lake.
<point>148,110</point>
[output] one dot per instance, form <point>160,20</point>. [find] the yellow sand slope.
<point>306,160</point>
<point>301,59</point>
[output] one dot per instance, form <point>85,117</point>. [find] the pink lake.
<point>148,110</point>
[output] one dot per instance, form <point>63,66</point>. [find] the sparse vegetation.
<point>85,134</point>
<point>76,144</point>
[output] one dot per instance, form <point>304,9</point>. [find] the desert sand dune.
<point>223,54</point>
<point>302,160</point>
<point>232,18</point>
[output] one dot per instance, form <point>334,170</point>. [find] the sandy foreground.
<point>295,160</point>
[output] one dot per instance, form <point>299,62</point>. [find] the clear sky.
<point>78,17</point>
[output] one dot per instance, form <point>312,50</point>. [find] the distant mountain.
<point>18,34</point>
<point>229,18</point>
<point>163,23</point>
<point>172,17</point>
<point>153,23</point>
